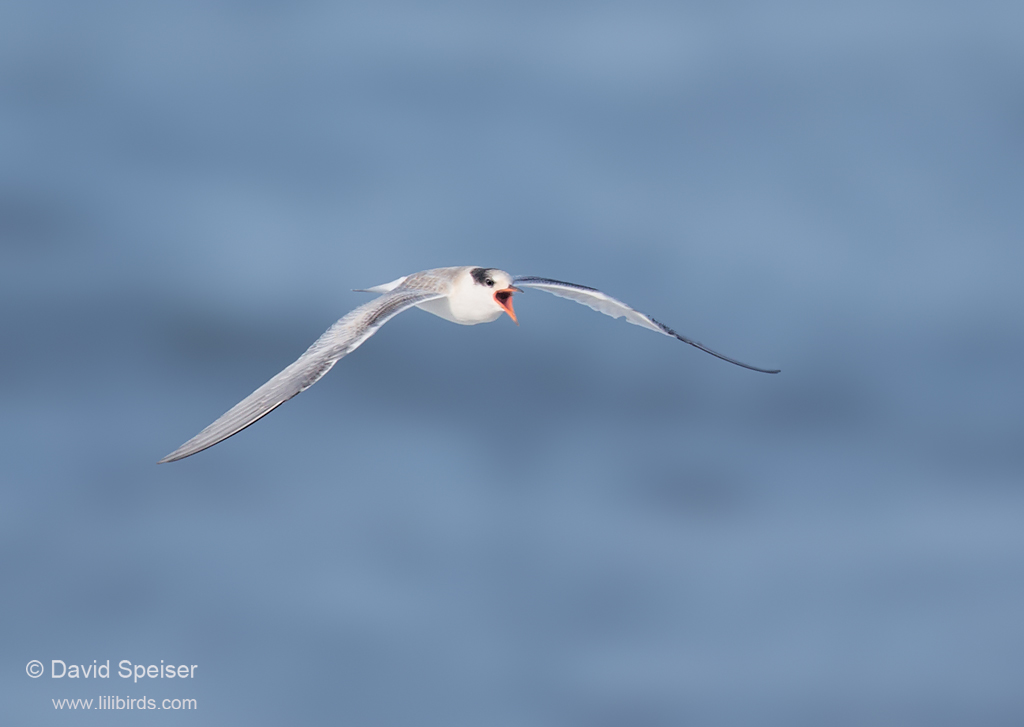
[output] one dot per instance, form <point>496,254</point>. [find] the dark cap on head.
<point>480,275</point>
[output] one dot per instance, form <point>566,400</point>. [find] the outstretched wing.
<point>604,303</point>
<point>340,339</point>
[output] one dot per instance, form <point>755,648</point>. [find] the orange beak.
<point>503,298</point>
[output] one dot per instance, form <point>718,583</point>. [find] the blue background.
<point>573,522</point>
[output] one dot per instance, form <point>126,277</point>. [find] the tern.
<point>466,295</point>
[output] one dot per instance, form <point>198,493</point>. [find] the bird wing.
<point>340,339</point>
<point>604,303</point>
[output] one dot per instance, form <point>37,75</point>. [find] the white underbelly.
<point>441,307</point>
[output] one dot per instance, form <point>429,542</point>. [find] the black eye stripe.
<point>481,277</point>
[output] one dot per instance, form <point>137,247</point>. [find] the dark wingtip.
<point>705,349</point>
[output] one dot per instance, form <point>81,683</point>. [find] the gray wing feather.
<point>340,339</point>
<point>604,303</point>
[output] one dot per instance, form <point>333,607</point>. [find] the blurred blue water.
<point>569,522</point>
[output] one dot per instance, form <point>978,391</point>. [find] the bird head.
<point>494,287</point>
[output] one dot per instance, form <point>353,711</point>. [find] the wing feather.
<point>604,303</point>
<point>339,340</point>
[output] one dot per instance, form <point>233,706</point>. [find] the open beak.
<point>503,298</point>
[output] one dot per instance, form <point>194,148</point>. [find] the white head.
<point>485,293</point>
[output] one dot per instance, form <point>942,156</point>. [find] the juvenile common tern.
<point>465,295</point>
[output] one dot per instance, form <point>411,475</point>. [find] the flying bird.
<point>466,295</point>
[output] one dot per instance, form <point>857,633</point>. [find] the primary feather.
<point>339,340</point>
<point>604,303</point>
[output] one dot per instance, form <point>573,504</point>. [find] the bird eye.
<point>490,283</point>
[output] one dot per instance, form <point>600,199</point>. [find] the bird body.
<point>465,295</point>
<point>469,298</point>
